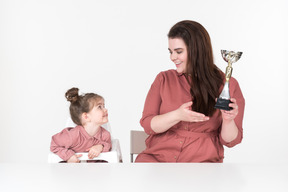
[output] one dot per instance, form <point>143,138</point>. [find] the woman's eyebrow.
<point>176,49</point>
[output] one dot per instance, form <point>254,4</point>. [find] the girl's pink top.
<point>74,140</point>
<point>185,141</point>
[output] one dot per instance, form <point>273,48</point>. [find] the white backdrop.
<point>116,49</point>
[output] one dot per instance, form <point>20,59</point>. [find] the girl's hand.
<point>94,151</point>
<point>230,115</point>
<point>186,114</point>
<point>74,158</point>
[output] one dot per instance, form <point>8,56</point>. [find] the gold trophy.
<point>224,98</point>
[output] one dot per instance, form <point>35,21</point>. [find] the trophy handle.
<point>228,73</point>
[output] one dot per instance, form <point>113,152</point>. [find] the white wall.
<point>116,48</point>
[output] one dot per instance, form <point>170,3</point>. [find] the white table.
<point>123,177</point>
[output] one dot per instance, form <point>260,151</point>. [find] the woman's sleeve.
<point>152,105</point>
<point>236,93</point>
<point>106,140</point>
<point>61,143</point>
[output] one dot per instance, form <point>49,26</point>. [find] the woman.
<point>179,113</point>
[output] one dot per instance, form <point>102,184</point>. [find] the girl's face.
<point>178,54</point>
<point>99,114</point>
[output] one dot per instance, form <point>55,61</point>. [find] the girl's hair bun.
<point>72,95</point>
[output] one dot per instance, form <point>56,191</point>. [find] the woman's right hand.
<point>74,158</point>
<point>163,122</point>
<point>186,114</point>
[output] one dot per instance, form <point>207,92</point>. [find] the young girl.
<point>88,112</point>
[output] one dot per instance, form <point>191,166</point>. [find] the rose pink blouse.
<point>74,140</point>
<point>185,141</point>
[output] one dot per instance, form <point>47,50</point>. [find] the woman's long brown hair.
<point>202,74</point>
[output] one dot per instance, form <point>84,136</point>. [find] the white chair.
<point>113,156</point>
<point>137,143</point>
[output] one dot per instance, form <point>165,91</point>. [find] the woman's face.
<point>178,54</point>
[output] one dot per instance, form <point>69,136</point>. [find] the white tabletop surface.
<point>143,177</point>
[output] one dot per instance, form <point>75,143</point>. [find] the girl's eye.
<point>101,106</point>
<point>179,52</point>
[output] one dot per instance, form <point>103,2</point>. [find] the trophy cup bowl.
<point>224,98</point>
<point>231,56</point>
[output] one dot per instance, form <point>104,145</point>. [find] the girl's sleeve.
<point>236,93</point>
<point>152,105</point>
<point>60,144</point>
<point>106,140</point>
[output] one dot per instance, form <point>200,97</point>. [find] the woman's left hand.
<point>230,115</point>
<point>95,151</point>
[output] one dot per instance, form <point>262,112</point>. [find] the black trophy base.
<point>223,104</point>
